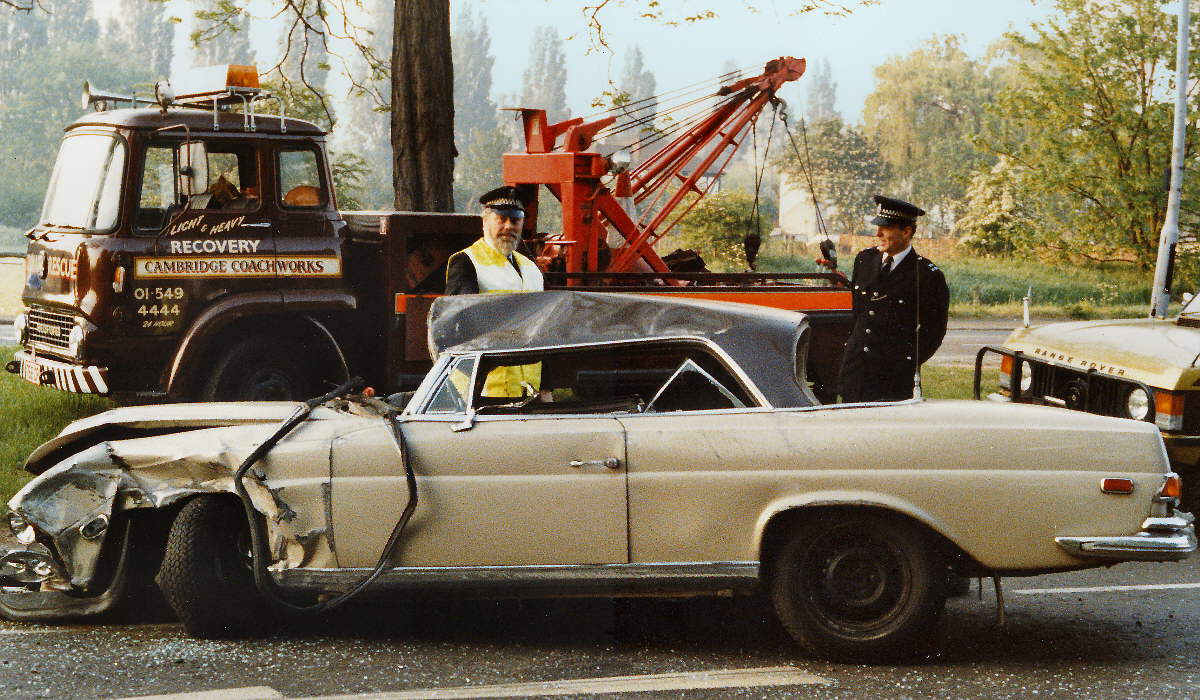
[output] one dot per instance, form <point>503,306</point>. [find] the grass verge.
<point>33,415</point>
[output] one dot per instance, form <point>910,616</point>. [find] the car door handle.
<point>610,463</point>
<point>263,224</point>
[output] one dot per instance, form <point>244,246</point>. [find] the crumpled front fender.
<point>289,487</point>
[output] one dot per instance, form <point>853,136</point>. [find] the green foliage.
<point>822,93</point>
<point>34,113</point>
<point>543,85</point>
<point>990,281</point>
<point>33,415</point>
<point>717,228</point>
<point>997,218</point>
<point>925,109</point>
<point>951,381</point>
<point>847,171</point>
<point>1087,127</point>
<point>479,167</point>
<point>471,49</point>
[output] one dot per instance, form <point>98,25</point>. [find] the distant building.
<point>797,216</point>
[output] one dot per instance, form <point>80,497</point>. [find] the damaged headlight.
<point>21,529</point>
<point>26,566</point>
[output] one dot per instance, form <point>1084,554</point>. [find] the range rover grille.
<point>49,329</point>
<point>1094,393</point>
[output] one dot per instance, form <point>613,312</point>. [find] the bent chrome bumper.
<point>1160,539</point>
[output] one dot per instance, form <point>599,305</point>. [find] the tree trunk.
<point>422,106</point>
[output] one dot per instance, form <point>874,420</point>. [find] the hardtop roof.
<point>768,344</point>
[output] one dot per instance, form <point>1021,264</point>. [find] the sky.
<point>746,32</point>
<point>681,55</point>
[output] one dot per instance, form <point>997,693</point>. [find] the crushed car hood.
<point>1158,352</point>
<point>149,420</point>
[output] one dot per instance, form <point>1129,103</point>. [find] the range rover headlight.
<point>21,529</point>
<point>1137,404</point>
<point>75,342</point>
<point>20,325</point>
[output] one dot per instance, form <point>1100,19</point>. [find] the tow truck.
<point>190,246</point>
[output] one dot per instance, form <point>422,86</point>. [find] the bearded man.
<point>492,264</point>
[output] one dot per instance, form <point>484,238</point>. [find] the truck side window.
<point>232,179</point>
<point>159,198</point>
<point>300,179</point>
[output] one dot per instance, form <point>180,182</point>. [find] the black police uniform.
<point>884,348</point>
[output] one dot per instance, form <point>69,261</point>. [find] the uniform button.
<point>909,357</point>
<point>901,301</point>
<point>866,349</point>
<point>871,312</point>
<point>868,330</point>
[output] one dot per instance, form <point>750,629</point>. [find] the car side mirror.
<point>193,168</point>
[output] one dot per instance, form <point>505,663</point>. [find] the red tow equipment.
<point>557,156</point>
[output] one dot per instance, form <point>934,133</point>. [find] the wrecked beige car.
<point>658,447</point>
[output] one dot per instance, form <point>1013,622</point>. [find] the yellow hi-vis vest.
<point>496,275</point>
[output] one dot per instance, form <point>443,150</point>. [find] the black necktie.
<point>887,267</point>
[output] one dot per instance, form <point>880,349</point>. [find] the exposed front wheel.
<point>206,575</point>
<point>859,587</point>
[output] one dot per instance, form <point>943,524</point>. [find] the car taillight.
<point>1168,410</point>
<point>1172,489</point>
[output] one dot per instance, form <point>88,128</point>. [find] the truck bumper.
<point>43,371</point>
<point>1160,539</point>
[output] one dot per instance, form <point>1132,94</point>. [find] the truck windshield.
<point>85,187</point>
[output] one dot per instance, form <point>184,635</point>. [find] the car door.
<point>496,489</point>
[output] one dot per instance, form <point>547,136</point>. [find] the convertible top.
<point>768,344</point>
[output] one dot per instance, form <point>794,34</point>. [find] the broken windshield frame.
<point>85,187</point>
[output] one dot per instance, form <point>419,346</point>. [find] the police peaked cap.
<point>895,212</point>
<point>504,200</point>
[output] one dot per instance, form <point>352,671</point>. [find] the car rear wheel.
<point>859,587</point>
<point>260,368</point>
<point>206,575</point>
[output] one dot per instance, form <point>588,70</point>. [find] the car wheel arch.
<point>777,523</point>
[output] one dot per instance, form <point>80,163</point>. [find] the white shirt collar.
<point>899,256</point>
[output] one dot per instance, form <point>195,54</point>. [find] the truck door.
<point>308,255</point>
<point>196,249</point>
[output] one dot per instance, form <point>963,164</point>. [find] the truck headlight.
<point>75,342</point>
<point>20,325</point>
<point>1137,404</point>
<point>21,529</point>
<point>1026,378</point>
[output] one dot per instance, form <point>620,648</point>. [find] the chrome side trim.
<point>539,581</point>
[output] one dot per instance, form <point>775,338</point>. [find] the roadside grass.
<point>32,415</point>
<point>12,281</point>
<point>994,287</point>
<point>955,381</point>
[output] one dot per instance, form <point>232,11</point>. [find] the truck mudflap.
<point>1160,539</point>
<point>43,371</point>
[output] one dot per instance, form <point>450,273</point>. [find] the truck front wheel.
<point>261,368</point>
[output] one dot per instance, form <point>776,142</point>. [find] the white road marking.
<point>732,678</point>
<point>1109,589</point>
<point>258,692</point>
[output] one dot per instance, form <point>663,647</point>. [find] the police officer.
<point>900,307</point>
<point>492,263</point>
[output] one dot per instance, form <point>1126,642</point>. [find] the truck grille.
<point>49,329</point>
<point>1080,391</point>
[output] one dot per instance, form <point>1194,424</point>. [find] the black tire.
<point>206,576</point>
<point>260,368</point>
<point>859,588</point>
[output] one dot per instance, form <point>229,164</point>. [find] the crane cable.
<point>806,167</point>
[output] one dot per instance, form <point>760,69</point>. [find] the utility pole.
<point>1160,295</point>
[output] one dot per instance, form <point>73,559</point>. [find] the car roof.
<point>196,119</point>
<point>766,343</point>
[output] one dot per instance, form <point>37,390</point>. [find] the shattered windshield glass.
<point>85,187</point>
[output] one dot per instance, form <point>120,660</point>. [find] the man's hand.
<point>831,265</point>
